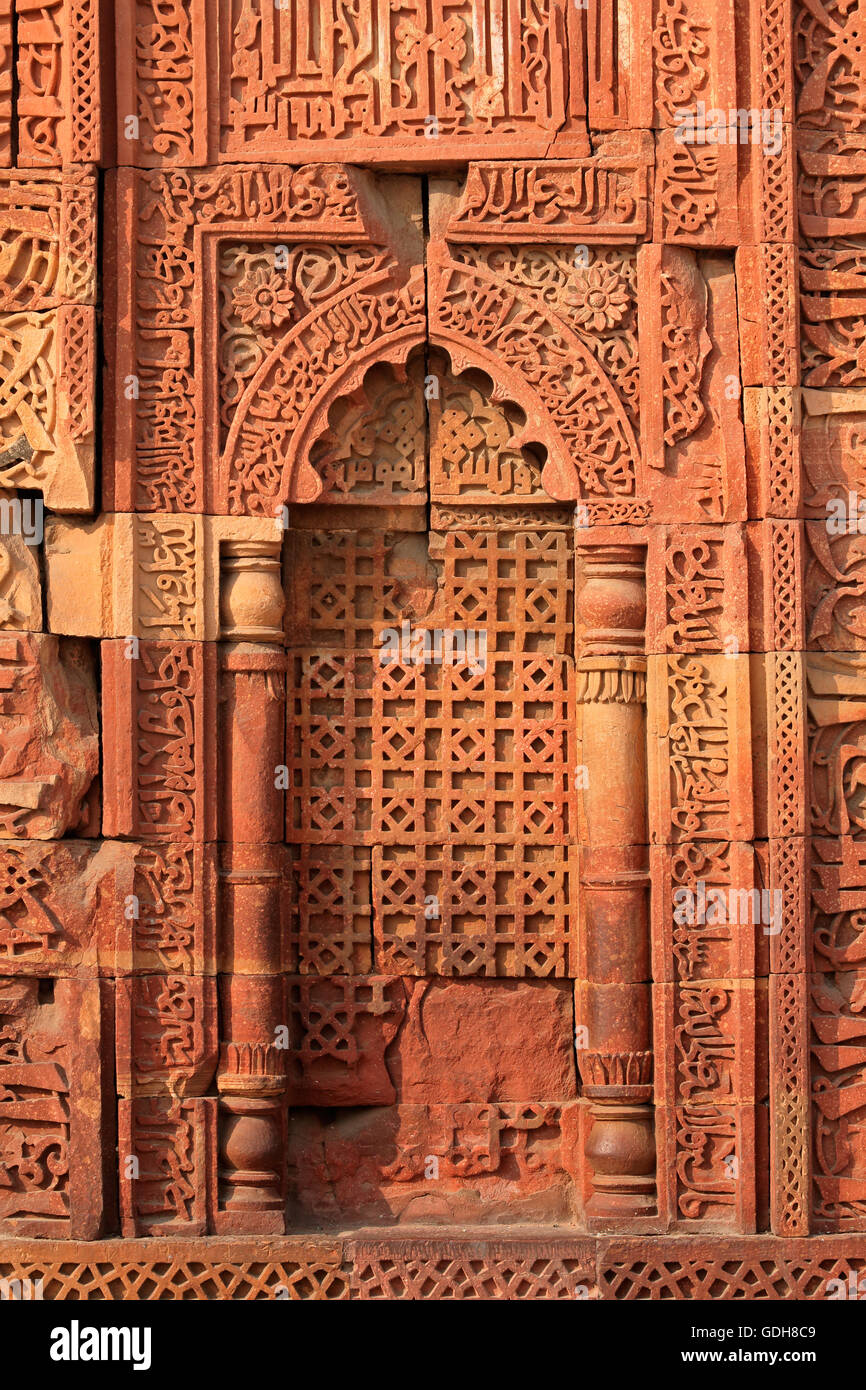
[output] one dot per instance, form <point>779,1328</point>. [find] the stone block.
<point>47,404</point>
<point>50,754</point>
<point>53,1123</point>
<point>463,1039</point>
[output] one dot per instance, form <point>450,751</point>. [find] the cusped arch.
<point>535,359</point>
<point>531,357</point>
<point>285,406</point>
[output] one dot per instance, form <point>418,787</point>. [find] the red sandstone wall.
<point>431,641</point>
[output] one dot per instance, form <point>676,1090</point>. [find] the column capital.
<point>611,680</point>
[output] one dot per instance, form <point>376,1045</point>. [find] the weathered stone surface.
<point>463,1040</point>
<point>47,404</point>
<point>341,1030</point>
<point>49,755</point>
<point>20,584</point>
<point>59,905</point>
<point>440,1164</point>
<point>52,1153</point>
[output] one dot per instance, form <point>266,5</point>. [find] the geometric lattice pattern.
<point>466,909</point>
<point>466,750</point>
<point>442,1268</point>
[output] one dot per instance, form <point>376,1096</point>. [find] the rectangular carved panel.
<point>431,769</point>
<point>54,1125</point>
<point>245,79</point>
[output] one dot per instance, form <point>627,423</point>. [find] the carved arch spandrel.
<point>328,353</point>
<point>532,358</point>
<point>535,359</point>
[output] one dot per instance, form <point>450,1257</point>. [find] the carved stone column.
<point>613,1000</point>
<point>251,1078</point>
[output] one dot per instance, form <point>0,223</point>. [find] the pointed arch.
<point>535,359</point>
<point>284,409</point>
<point>531,356</point>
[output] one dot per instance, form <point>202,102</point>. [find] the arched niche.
<point>529,354</point>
